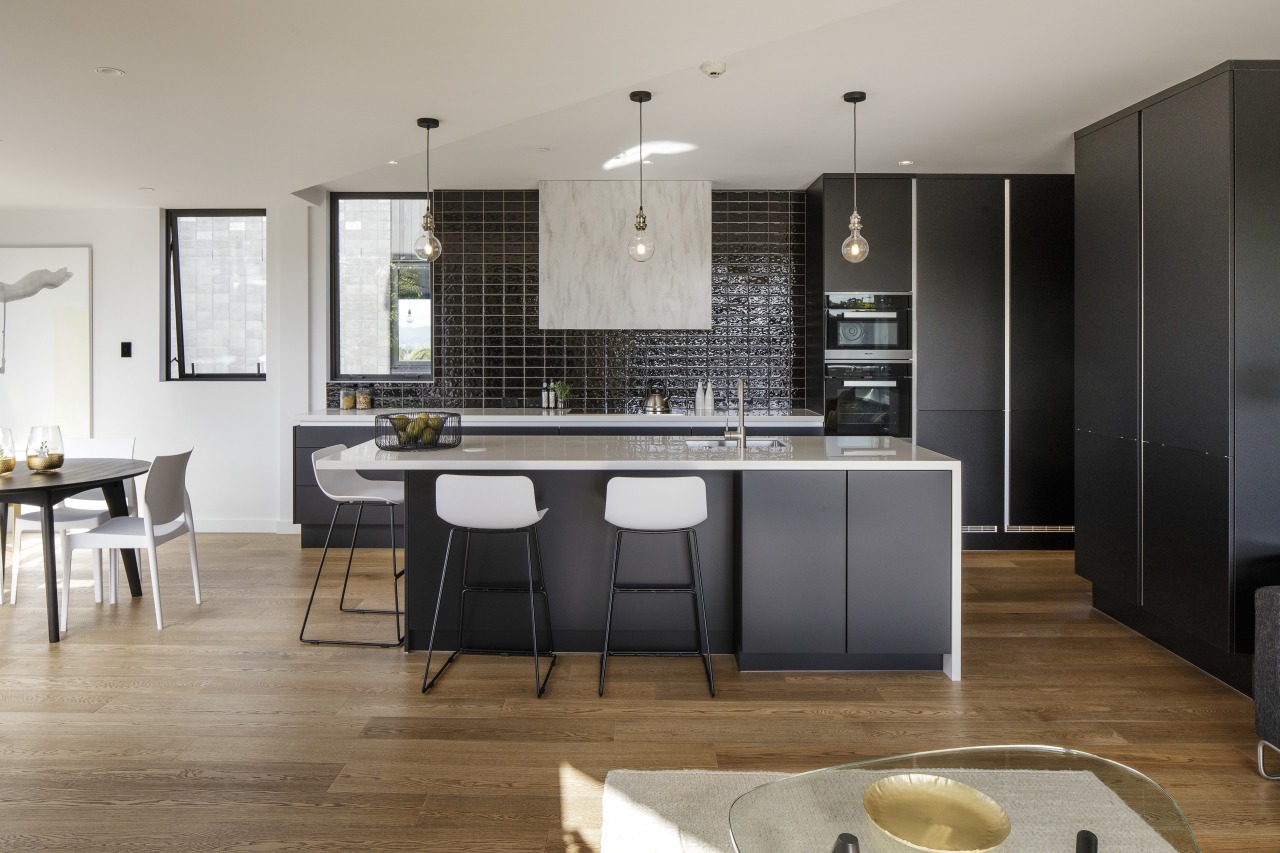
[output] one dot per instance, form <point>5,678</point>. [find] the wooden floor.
<point>223,732</point>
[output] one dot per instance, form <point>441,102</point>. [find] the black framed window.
<point>381,309</point>
<point>216,294</point>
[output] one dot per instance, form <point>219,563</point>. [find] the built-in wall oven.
<point>868,398</point>
<point>863,326</point>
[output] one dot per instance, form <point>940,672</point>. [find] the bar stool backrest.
<point>486,503</point>
<point>655,503</point>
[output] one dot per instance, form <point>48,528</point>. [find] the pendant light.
<point>855,246</point>
<point>427,246</point>
<point>641,246</point>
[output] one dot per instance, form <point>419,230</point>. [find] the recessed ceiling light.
<point>108,71</point>
<point>147,189</point>
<point>543,148</point>
<point>393,162</point>
<point>647,162</point>
<point>906,162</point>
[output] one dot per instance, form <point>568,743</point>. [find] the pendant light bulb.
<point>641,246</point>
<point>427,247</point>
<point>855,247</point>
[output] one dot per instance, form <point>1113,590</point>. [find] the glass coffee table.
<point>1048,793</point>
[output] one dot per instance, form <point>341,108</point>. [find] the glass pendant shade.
<point>641,246</point>
<point>427,247</point>
<point>855,247</point>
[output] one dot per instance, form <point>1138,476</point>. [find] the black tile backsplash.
<point>488,345</point>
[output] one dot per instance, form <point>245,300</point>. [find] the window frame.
<point>335,308</point>
<point>173,298</point>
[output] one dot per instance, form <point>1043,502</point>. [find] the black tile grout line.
<point>489,347</point>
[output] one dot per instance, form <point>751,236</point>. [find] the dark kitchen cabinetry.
<point>1108,286</point>
<point>1179,204</point>
<point>959,304</point>
<point>977,440</point>
<point>884,203</point>
<point>1107,513</point>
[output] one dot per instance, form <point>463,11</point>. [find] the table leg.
<point>50,566</point>
<point>117,506</point>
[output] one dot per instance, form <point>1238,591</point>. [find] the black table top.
<point>75,475</point>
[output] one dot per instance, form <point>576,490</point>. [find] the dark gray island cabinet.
<point>818,553</point>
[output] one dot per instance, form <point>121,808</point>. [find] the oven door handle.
<point>869,383</point>
<point>869,315</point>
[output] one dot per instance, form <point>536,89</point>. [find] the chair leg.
<point>608,621</point>
<point>17,563</point>
<point>302,634</point>
<point>355,534</point>
<point>65,604</point>
<point>539,682</point>
<point>1262,767</point>
<point>700,613</point>
<point>114,569</point>
<point>435,619</point>
<point>195,565</point>
<point>154,560</point>
<point>97,575</point>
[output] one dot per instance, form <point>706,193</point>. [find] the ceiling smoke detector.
<point>714,69</point>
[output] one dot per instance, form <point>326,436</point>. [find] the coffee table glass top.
<point>1049,793</point>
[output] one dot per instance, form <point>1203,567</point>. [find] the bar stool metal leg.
<point>396,574</point>
<point>537,586</point>
<point>694,589</point>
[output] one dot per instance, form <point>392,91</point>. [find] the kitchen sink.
<point>723,444</point>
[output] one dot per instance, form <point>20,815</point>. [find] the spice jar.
<point>347,396</point>
<point>364,397</point>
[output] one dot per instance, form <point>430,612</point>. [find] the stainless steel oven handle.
<point>868,383</point>
<point>871,315</point>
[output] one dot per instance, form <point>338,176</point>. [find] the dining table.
<point>45,489</point>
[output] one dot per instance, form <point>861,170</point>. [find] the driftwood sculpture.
<point>24,288</point>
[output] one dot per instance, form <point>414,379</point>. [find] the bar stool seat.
<point>659,505</point>
<point>479,504</point>
<point>348,488</point>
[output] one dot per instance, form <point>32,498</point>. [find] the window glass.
<point>217,294</point>
<point>381,290</point>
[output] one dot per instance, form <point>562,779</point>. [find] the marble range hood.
<point>586,278</point>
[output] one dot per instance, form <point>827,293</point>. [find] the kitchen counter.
<point>570,418</point>
<point>818,553</point>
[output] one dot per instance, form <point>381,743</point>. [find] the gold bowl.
<point>937,814</point>
<point>44,464</point>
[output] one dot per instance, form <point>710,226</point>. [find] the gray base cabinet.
<point>844,570</point>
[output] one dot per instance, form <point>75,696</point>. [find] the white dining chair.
<point>79,512</point>
<point>165,514</point>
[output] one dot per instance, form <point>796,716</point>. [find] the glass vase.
<point>7,458</point>
<point>44,449</point>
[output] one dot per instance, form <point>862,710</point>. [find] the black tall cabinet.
<point>1177,362</point>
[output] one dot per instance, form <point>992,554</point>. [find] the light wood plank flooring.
<point>223,732</point>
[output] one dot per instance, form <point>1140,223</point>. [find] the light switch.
<point>126,349</point>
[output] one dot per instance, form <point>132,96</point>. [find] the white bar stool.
<point>659,505</point>
<point>479,504</point>
<point>349,488</point>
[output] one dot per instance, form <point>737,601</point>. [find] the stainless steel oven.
<point>872,398</point>
<point>868,326</point>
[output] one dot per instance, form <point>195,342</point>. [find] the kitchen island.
<point>819,553</point>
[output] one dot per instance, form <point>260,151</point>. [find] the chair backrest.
<point>486,503</point>
<point>655,503</point>
<point>338,485</point>
<point>100,448</point>
<point>165,497</point>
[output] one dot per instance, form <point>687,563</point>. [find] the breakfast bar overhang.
<point>818,553</point>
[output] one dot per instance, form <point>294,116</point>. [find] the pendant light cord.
<point>429,205</point>
<point>640,154</point>
<point>855,157</point>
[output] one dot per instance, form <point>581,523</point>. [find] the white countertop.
<point>655,453</point>
<point>565,417</point>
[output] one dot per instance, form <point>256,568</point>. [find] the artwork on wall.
<point>45,339</point>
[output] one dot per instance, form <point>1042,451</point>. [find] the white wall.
<point>242,469</point>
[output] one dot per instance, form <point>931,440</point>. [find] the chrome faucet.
<point>740,433</point>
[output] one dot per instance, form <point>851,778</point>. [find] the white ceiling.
<point>243,102</point>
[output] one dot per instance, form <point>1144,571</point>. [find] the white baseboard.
<point>237,525</point>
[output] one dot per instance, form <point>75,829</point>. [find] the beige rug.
<point>687,811</point>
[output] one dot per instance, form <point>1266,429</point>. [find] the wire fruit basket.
<point>417,431</point>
